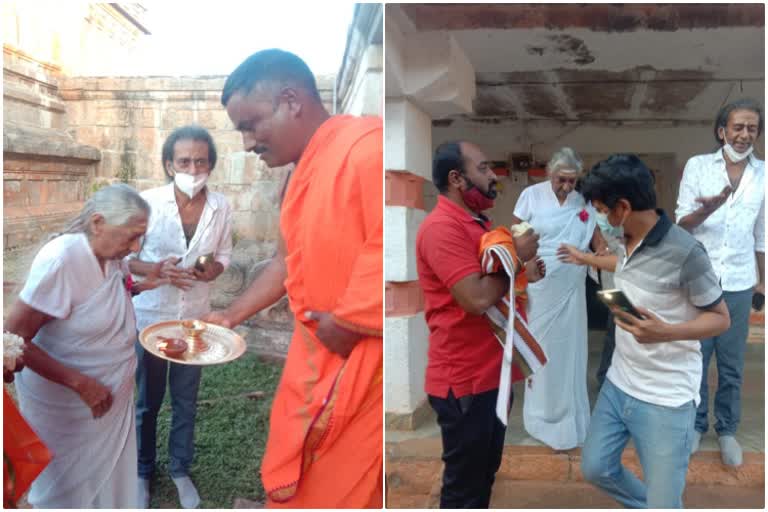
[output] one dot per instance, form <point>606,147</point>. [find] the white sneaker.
<point>187,493</point>
<point>143,500</point>
<point>730,451</point>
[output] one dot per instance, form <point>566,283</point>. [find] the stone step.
<point>414,467</point>
<point>580,495</point>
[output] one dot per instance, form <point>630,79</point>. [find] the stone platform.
<point>535,476</point>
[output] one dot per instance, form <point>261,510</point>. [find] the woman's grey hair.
<point>564,158</point>
<point>116,203</point>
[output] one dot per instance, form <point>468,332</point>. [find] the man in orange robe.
<point>324,448</point>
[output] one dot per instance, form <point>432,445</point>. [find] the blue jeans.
<point>151,374</point>
<point>662,436</point>
<point>729,350</point>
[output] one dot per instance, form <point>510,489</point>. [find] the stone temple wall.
<point>45,171</point>
<point>128,119</point>
<point>80,38</point>
<point>64,137</point>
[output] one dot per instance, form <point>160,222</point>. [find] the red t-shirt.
<point>464,354</point>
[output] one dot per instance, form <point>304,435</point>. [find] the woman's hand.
<point>95,395</point>
<point>152,280</point>
<point>8,375</point>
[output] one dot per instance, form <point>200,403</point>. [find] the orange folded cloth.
<point>24,454</point>
<point>498,253</point>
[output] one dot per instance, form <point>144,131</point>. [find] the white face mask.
<point>733,155</point>
<point>190,185</point>
<point>607,228</point>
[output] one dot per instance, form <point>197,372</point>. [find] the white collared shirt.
<point>734,231</point>
<point>165,238</point>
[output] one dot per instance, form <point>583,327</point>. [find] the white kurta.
<point>556,405</point>
<point>94,330</point>
<point>165,239</point>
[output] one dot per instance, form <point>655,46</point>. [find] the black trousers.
<point>473,439</point>
<point>609,345</point>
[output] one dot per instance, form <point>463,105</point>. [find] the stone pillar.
<point>431,79</point>
<point>363,94</point>
<point>359,82</point>
<point>407,164</point>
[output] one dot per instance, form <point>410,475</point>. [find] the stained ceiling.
<point>630,62</point>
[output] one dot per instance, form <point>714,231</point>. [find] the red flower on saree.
<point>584,215</point>
<point>128,280</point>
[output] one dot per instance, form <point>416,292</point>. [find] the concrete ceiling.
<point>602,61</point>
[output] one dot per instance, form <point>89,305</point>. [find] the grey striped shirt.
<point>670,274</point>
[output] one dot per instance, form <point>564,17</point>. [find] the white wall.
<point>366,94</point>
<point>407,138</point>
<point>405,360</point>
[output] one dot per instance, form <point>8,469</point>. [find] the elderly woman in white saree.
<point>77,388</point>
<point>556,405</point>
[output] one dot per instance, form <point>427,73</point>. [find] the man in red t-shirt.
<point>464,358</point>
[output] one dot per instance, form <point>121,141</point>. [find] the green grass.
<point>230,435</point>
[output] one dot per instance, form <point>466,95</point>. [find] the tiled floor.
<point>751,432</point>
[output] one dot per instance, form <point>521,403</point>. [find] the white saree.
<point>94,460</point>
<point>556,405</point>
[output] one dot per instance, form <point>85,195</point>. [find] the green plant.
<point>127,171</point>
<point>98,185</point>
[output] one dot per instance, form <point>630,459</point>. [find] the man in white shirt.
<point>652,386</point>
<point>187,221</point>
<point>722,204</point>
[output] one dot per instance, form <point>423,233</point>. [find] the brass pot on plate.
<point>193,335</point>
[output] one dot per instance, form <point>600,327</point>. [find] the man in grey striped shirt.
<point>652,387</point>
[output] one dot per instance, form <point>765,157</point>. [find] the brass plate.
<point>224,345</point>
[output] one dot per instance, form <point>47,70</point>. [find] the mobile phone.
<point>758,300</point>
<point>617,298</point>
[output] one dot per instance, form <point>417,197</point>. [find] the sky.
<point>212,38</point>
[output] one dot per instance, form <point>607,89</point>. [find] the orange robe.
<point>24,454</point>
<point>325,440</point>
